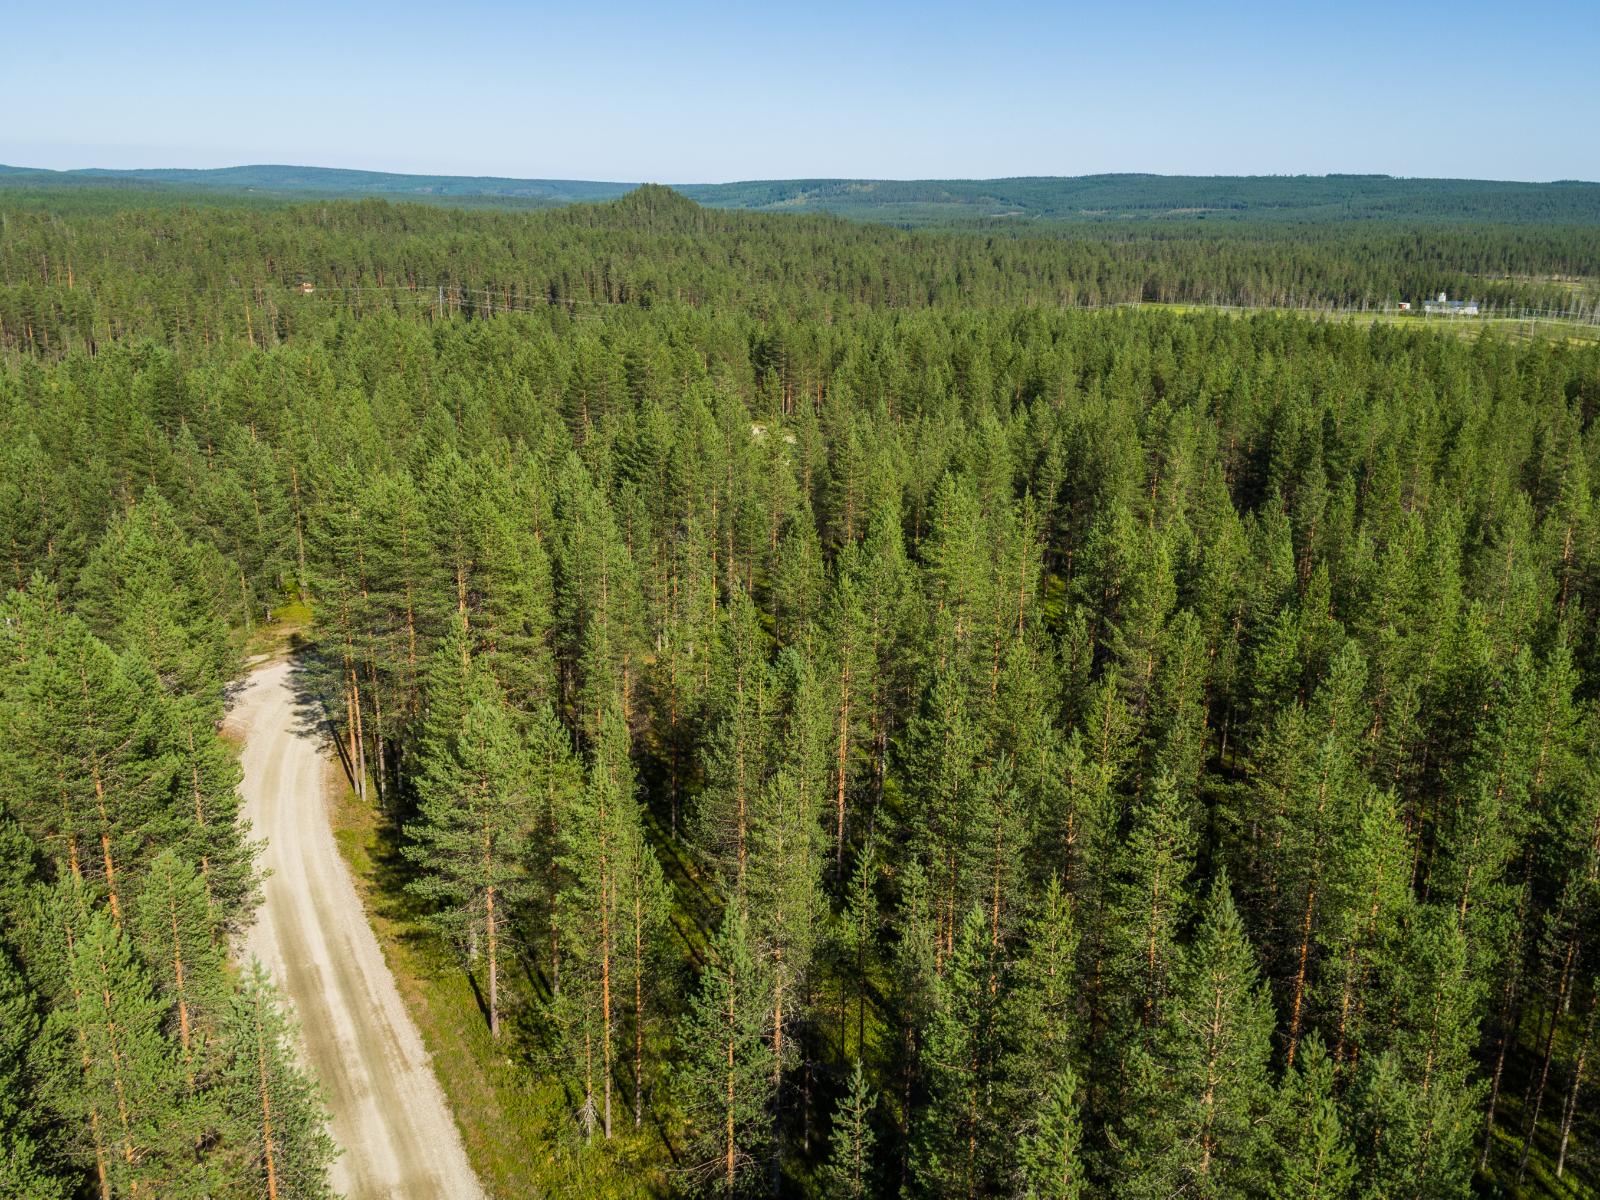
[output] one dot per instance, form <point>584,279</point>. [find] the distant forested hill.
<point>327,181</point>
<point>933,201</point>
<point>1125,197</point>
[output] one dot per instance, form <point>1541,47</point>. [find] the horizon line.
<point>241,166</point>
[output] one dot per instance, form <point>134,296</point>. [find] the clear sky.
<point>686,93</point>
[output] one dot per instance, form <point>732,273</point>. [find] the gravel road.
<point>390,1119</point>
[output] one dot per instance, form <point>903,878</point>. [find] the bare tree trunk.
<point>842,763</point>
<point>638,1009</point>
<point>105,846</point>
<point>494,972</point>
<point>1509,1021</point>
<point>1577,1084</point>
<point>360,761</point>
<point>183,997</point>
<point>1549,1050</point>
<point>729,1153</point>
<point>101,1173</point>
<point>605,1003</point>
<point>1300,974</point>
<point>266,1109</point>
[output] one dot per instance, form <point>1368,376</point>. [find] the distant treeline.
<point>80,275</point>
<point>930,201</point>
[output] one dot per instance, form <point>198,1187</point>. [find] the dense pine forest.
<point>865,727</point>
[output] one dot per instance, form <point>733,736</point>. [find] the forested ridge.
<point>1082,198</point>
<point>867,729</point>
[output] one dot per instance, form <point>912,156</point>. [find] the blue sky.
<point>710,92</point>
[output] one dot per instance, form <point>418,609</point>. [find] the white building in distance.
<point>1446,307</point>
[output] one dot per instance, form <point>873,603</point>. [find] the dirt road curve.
<point>398,1139</point>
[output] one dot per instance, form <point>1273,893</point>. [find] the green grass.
<point>1573,332</point>
<point>277,636</point>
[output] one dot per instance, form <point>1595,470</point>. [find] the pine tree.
<point>175,929</point>
<point>783,884</point>
<point>1314,1157</point>
<point>943,748</point>
<point>278,1121</point>
<point>725,1082</point>
<point>1041,1023</point>
<point>848,1173</point>
<point>848,637</point>
<point>738,753</point>
<point>25,1161</point>
<point>84,766</point>
<point>858,937</point>
<point>1201,1093</point>
<point>476,818</point>
<point>116,1080</point>
<point>611,903</point>
<point>956,1139</point>
<point>645,905</point>
<point>148,587</point>
<point>405,581</point>
<point>1148,907</point>
<point>599,625</point>
<point>1050,1158</point>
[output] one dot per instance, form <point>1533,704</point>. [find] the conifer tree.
<point>738,751</point>
<point>726,1080</point>
<point>849,639</point>
<point>956,1143</point>
<point>148,587</point>
<point>611,903</point>
<point>1201,1093</point>
<point>1050,1159</point>
<point>25,1161</point>
<point>943,748</point>
<point>599,623</point>
<point>1314,1157</point>
<point>175,929</point>
<point>476,817</point>
<point>84,765</point>
<point>858,934</point>
<point>405,577</point>
<point>1041,1023</point>
<point>848,1172</point>
<point>116,1079</point>
<point>276,1113</point>
<point>1149,906</point>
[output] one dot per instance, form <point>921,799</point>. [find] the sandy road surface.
<point>398,1139</point>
